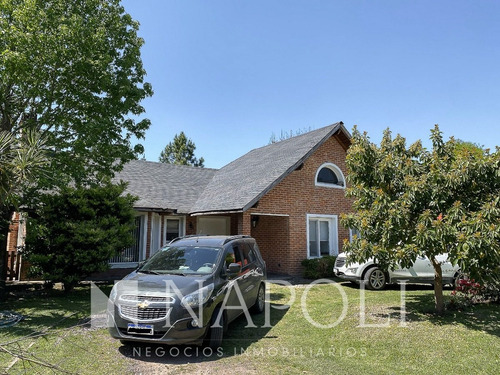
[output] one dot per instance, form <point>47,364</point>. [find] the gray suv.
<point>189,291</point>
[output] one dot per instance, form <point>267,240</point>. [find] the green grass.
<point>456,343</point>
<point>54,332</point>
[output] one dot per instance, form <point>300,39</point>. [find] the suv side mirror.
<point>233,269</point>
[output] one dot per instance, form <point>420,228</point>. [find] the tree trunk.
<point>438,286</point>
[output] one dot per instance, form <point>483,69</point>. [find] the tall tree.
<point>181,151</point>
<point>72,69</point>
<point>412,202</point>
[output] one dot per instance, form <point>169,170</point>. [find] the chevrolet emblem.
<point>143,305</point>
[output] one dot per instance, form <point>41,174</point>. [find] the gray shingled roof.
<point>241,183</point>
<point>161,186</point>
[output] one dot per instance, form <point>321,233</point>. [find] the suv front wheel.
<point>375,279</point>
<point>260,302</point>
<point>216,330</point>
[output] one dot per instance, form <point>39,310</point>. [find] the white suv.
<point>375,278</point>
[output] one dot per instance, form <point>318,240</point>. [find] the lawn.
<point>459,342</point>
<point>55,331</point>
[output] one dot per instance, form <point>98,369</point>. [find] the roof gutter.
<point>156,209</point>
<point>216,213</point>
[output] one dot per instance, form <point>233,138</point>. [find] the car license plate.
<point>140,329</point>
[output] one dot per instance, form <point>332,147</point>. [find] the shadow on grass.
<point>44,309</point>
<point>236,341</point>
<point>481,317</point>
<point>420,307</point>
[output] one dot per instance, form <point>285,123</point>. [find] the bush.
<point>74,233</point>
<point>318,268</point>
<point>469,292</point>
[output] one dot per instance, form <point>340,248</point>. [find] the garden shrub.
<point>318,268</point>
<point>75,232</point>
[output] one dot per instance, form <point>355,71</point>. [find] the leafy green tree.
<point>77,231</point>
<point>470,147</point>
<point>411,202</point>
<point>181,152</point>
<point>72,69</point>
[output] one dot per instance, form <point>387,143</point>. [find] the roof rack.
<point>188,236</point>
<point>238,236</point>
<point>228,239</point>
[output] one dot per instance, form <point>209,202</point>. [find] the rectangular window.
<point>313,238</point>
<point>354,232</point>
<point>248,255</point>
<point>322,235</point>
<point>173,229</point>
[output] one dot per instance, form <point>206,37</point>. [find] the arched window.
<point>329,175</point>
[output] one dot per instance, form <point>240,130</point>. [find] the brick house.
<point>287,195</point>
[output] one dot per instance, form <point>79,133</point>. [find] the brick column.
<point>246,227</point>
<point>13,233</point>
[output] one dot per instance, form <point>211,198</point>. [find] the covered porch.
<point>271,231</point>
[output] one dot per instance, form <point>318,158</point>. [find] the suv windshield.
<point>182,260</point>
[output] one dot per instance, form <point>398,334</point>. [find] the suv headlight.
<point>352,270</point>
<point>199,297</point>
<point>112,295</point>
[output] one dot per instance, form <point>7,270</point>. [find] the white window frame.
<point>332,231</point>
<point>155,243</point>
<point>182,226</point>
<point>351,234</point>
<point>335,169</point>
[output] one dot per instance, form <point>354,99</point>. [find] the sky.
<point>231,73</point>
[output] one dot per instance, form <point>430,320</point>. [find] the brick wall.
<point>272,236</point>
<point>13,232</point>
<point>298,196</point>
<point>13,258</point>
<point>236,224</point>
